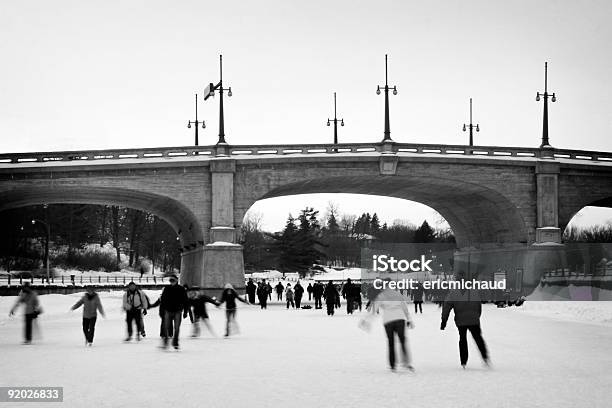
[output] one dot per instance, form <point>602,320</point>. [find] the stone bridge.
<point>492,197</point>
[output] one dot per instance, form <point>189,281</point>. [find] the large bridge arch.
<point>477,215</point>
<point>176,214</point>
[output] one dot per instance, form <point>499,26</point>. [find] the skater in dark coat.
<point>417,297</point>
<point>29,299</point>
<point>467,307</point>
<point>197,310</point>
<point>331,297</point>
<point>91,305</point>
<point>298,292</point>
<point>317,291</point>
<point>348,293</point>
<point>251,289</point>
<point>174,303</point>
<point>262,294</point>
<point>279,291</point>
<point>229,297</point>
<point>309,290</point>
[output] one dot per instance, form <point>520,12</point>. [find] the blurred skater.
<point>91,305</point>
<point>197,310</point>
<point>229,297</point>
<point>394,309</point>
<point>32,309</point>
<point>309,290</point>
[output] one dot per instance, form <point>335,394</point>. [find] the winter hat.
<point>228,286</point>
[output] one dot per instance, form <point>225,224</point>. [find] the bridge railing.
<point>80,280</point>
<point>303,149</point>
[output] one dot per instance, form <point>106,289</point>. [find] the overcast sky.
<point>84,75</point>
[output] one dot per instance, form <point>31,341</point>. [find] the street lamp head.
<point>477,128</point>
<point>342,122</point>
<point>203,125</point>
<point>188,125</point>
<point>554,98</point>
<point>464,129</point>
<point>229,91</point>
<point>328,124</point>
<point>394,90</point>
<point>33,222</point>
<point>378,90</point>
<point>538,97</point>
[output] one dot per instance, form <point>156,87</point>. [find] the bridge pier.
<point>222,260</point>
<point>547,196</point>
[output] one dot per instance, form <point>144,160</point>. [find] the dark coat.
<point>251,288</point>
<point>299,291</point>
<point>229,297</point>
<point>198,306</point>
<point>331,294</point>
<point>174,299</point>
<point>466,305</point>
<point>417,294</point>
<point>317,289</point>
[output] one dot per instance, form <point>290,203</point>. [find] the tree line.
<point>334,239</point>
<point>86,237</point>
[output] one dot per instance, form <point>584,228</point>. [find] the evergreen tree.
<point>424,233</point>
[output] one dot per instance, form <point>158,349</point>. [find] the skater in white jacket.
<point>394,309</point>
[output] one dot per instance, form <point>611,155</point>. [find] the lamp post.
<point>471,127</point>
<point>196,122</point>
<point>210,91</point>
<point>545,95</point>
<point>387,137</point>
<point>48,231</point>
<point>335,120</point>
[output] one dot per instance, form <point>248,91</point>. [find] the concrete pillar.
<point>223,262</point>
<point>547,195</point>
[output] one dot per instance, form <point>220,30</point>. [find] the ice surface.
<point>544,355</point>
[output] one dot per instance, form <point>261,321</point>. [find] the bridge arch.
<point>476,214</point>
<point>179,217</point>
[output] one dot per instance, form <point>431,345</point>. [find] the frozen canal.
<point>307,359</point>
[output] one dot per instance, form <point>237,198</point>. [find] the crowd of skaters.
<point>176,302</point>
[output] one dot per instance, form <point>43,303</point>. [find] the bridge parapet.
<point>195,152</point>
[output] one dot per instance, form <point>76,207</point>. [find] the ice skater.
<point>197,310</point>
<point>251,290</point>
<point>468,308</point>
<point>332,297</point>
<point>174,303</point>
<point>394,309</point>
<point>134,304</point>
<point>91,305</point>
<point>417,297</point>
<point>262,294</point>
<point>298,292</point>
<point>29,299</point>
<point>289,296</point>
<point>229,297</point>
<point>279,291</point>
